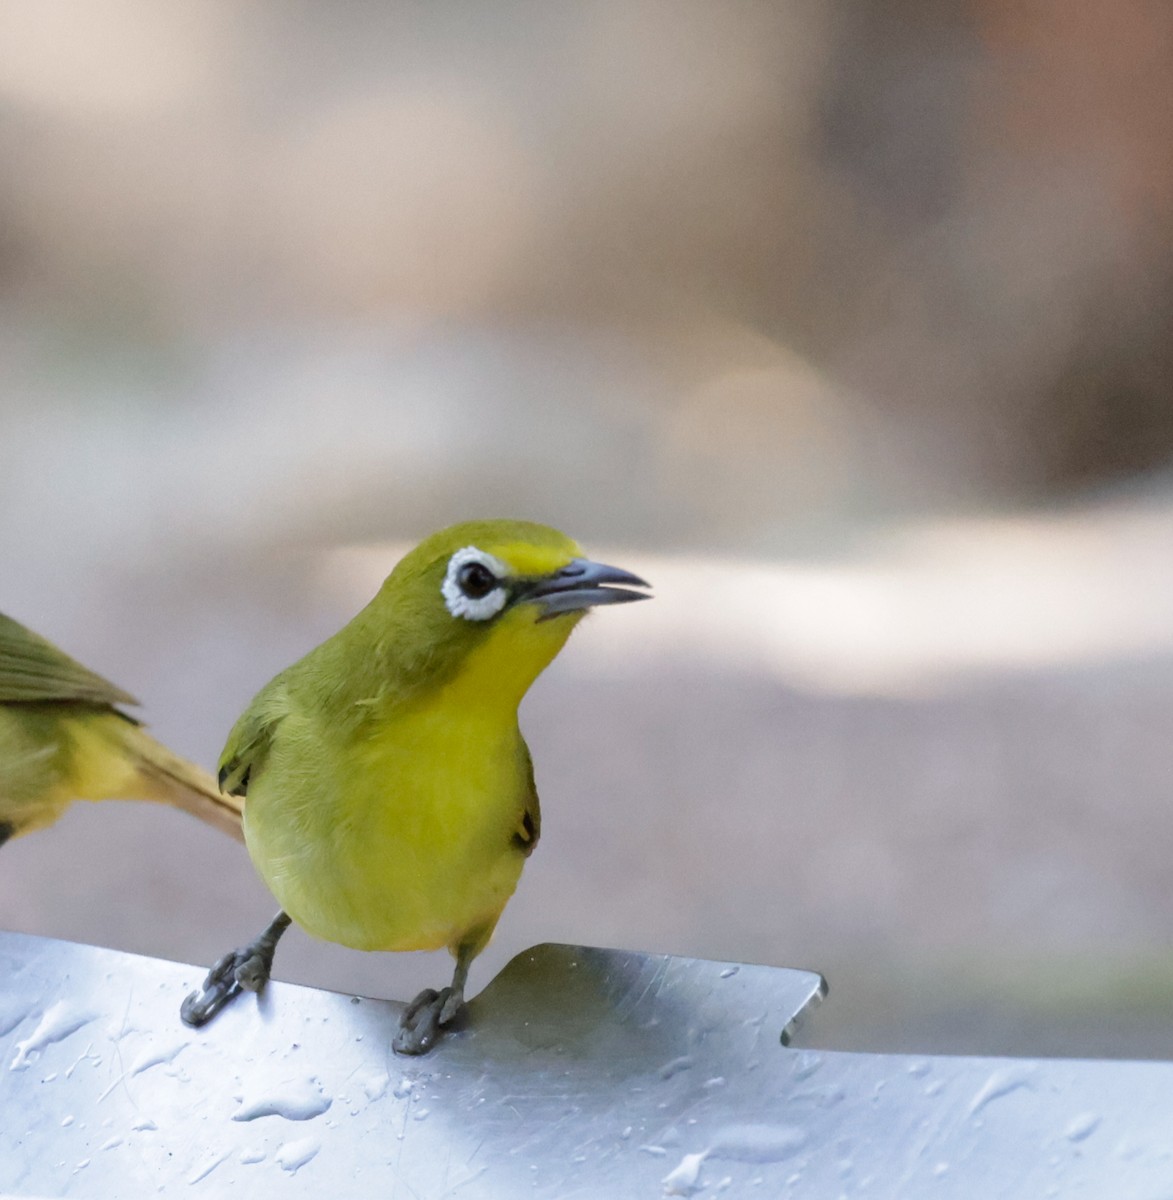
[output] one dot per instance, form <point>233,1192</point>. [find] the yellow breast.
<point>401,836</point>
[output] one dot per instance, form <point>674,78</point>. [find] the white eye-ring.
<point>473,587</point>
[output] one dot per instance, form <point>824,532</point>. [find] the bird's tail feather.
<point>166,777</point>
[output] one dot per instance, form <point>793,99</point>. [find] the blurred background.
<point>847,324</point>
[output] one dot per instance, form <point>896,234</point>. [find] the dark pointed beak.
<point>582,584</point>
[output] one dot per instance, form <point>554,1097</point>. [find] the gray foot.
<point>245,969</point>
<point>424,1020</point>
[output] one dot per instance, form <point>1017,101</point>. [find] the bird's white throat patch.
<point>463,584</point>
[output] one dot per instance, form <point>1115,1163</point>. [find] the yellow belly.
<point>399,840</point>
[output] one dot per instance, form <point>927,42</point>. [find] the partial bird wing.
<point>33,669</point>
<point>117,757</point>
<point>248,743</point>
<point>530,828</point>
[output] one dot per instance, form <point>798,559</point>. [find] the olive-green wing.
<point>529,829</point>
<point>248,744</point>
<point>33,669</point>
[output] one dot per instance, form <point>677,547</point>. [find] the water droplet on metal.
<point>206,1168</point>
<point>292,1156</point>
<point>684,1178</point>
<point>683,1063</point>
<point>1082,1126</point>
<point>59,1022</point>
<point>806,1064</point>
<point>1001,1083</point>
<point>294,1099</point>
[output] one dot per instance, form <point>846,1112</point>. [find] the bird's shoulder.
<point>252,736</point>
<point>33,670</point>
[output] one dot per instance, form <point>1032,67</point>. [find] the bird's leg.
<point>431,1010</point>
<point>7,829</point>
<point>245,969</point>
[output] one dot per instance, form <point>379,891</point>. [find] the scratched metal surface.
<point>581,1073</point>
<point>571,1064</point>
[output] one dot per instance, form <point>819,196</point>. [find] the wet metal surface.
<point>580,1072</point>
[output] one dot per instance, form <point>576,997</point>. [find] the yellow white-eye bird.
<point>390,796</point>
<point>64,738</point>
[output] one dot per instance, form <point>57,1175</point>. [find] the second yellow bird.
<point>64,737</point>
<point>389,795</point>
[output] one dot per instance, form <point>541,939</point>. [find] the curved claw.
<point>245,969</point>
<point>220,988</point>
<point>423,1020</point>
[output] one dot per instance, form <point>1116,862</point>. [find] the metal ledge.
<point>579,1073</point>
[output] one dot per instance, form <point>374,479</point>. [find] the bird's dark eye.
<point>476,580</point>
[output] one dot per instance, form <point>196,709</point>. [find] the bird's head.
<point>487,604</point>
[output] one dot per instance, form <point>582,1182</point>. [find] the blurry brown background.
<point>846,323</point>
